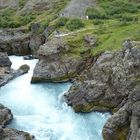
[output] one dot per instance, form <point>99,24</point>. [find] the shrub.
<point>61,22</point>
<point>74,24</point>
<point>27,19</point>
<point>126,18</point>
<point>97,22</point>
<point>119,7</point>
<point>22,3</point>
<point>96,14</point>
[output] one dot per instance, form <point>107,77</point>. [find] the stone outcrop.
<point>14,42</point>
<point>6,73</point>
<point>55,64</point>
<point>13,134</point>
<point>5,115</point>
<point>7,133</point>
<point>110,85</point>
<point>4,60</point>
<point>20,41</point>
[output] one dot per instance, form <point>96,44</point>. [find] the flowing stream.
<point>40,109</point>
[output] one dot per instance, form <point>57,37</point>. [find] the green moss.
<point>122,133</point>
<point>24,68</point>
<point>27,136</point>
<point>22,3</point>
<point>64,78</point>
<point>93,106</point>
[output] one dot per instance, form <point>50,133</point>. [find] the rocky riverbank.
<point>6,73</point>
<point>109,83</point>
<point>112,84</point>
<point>8,133</point>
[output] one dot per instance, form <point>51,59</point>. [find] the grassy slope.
<point>109,28</point>
<point>111,31</point>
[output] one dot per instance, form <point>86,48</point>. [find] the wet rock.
<point>24,69</point>
<point>13,134</point>
<point>119,120</point>
<point>28,57</point>
<point>110,84</point>
<point>4,60</point>
<point>5,115</point>
<point>6,73</point>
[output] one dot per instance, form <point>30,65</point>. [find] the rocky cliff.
<point>111,84</point>
<point>21,42</point>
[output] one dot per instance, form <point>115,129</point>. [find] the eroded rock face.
<point>108,86</point>
<point>14,42</point>
<point>20,41</point>
<point>55,65</point>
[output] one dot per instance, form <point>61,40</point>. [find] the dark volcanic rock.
<point>110,85</point>
<point>5,115</point>
<point>4,60</point>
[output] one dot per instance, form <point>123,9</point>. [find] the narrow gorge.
<point>69,70</point>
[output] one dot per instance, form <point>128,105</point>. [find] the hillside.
<point>111,22</point>
<point>77,8</point>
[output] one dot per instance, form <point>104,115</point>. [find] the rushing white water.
<point>38,109</point>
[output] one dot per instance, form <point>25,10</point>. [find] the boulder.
<point>54,64</point>
<point>13,134</point>
<point>5,115</point>
<point>4,60</point>
<point>24,69</point>
<point>6,73</point>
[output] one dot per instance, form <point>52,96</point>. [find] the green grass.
<point>10,19</point>
<point>113,39</point>
<point>110,21</point>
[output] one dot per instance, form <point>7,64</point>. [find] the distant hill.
<point>77,8</point>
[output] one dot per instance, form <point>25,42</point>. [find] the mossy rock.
<point>93,106</point>
<point>60,79</point>
<point>24,68</point>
